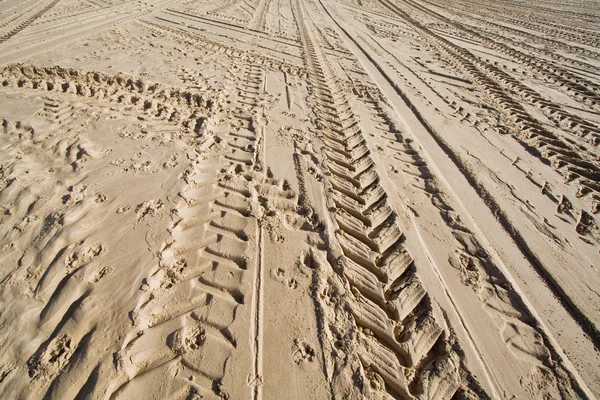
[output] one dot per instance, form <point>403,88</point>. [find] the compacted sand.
<point>299,199</point>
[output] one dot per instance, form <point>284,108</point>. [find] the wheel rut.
<point>401,339</point>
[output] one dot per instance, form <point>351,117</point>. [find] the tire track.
<point>70,30</point>
<point>580,89</point>
<point>585,90</point>
<point>563,298</point>
<point>67,12</point>
<point>66,285</point>
<point>206,296</point>
<point>249,56</point>
<point>24,20</point>
<point>527,130</point>
<point>579,129</point>
<point>548,27</point>
<point>578,316</point>
<point>400,332</point>
<point>160,101</point>
<point>518,328</point>
<point>257,22</point>
<point>493,27</point>
<point>57,112</point>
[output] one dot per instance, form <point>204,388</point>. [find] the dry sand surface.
<point>299,199</point>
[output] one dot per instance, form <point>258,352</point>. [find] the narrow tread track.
<point>24,20</point>
<point>584,90</point>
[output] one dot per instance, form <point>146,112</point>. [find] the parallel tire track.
<point>528,131</point>
<point>582,320</point>
<point>584,90</point>
<point>248,56</point>
<point>50,35</point>
<point>572,33</point>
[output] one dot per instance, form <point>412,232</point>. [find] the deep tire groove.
<point>399,330</point>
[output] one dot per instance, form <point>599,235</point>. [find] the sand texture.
<point>299,199</point>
